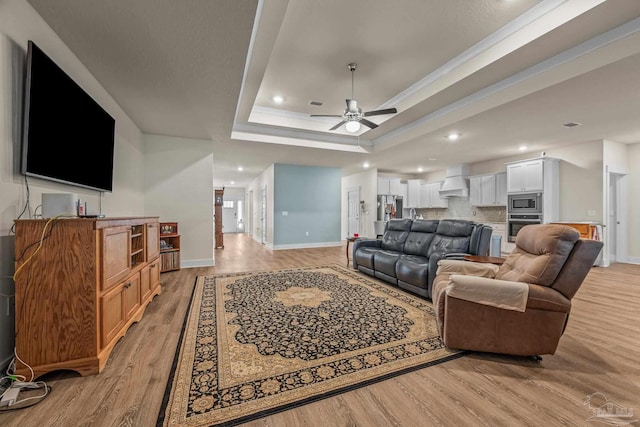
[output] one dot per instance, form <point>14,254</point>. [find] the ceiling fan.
<point>353,116</point>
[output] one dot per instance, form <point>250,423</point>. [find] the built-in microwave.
<point>524,203</point>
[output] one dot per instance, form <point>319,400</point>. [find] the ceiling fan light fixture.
<point>352,126</point>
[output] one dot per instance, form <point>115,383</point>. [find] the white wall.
<point>19,23</point>
<point>580,181</point>
<point>367,181</point>
<point>178,188</point>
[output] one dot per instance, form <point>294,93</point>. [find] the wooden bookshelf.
<point>169,247</point>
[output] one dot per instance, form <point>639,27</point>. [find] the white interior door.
<point>263,216</point>
<point>617,219</point>
<point>230,216</point>
<point>353,211</point>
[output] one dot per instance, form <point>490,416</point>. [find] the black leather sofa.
<point>409,251</point>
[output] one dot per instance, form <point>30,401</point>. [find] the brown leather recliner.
<point>522,307</point>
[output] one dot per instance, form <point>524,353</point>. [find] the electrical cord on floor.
<point>12,385</point>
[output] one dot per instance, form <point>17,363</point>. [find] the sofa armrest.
<point>456,255</point>
<point>503,294</point>
<point>434,259</point>
<point>362,242</point>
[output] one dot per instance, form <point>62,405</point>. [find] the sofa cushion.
<point>385,262</point>
<point>420,236</point>
<point>413,269</point>
<point>425,225</point>
<point>456,227</point>
<point>539,256</point>
<point>448,244</point>
<point>396,234</point>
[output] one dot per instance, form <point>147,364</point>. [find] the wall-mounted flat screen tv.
<point>67,136</point>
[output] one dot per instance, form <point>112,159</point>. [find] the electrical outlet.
<point>591,213</point>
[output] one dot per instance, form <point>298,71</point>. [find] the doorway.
<point>263,216</point>
<point>230,216</point>
<point>615,220</point>
<point>353,211</point>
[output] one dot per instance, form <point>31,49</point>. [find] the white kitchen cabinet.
<point>403,193</point>
<point>488,190</point>
<point>413,193</point>
<point>537,175</point>
<point>525,176</point>
<point>388,185</point>
<point>430,195</point>
<point>394,186</point>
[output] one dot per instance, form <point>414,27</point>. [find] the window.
<point>227,204</point>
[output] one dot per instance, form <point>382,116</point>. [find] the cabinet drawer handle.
<point>153,265</point>
<point>128,285</point>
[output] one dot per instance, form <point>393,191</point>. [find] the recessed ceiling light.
<point>240,168</point>
<point>420,169</point>
<point>233,182</point>
<point>365,165</point>
<point>453,136</point>
<point>522,148</point>
<point>278,99</point>
<point>432,159</point>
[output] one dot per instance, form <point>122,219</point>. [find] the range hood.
<point>456,184</point>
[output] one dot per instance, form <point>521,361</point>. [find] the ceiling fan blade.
<point>379,112</point>
<point>338,125</point>
<point>352,106</point>
<point>326,115</point>
<point>368,123</point>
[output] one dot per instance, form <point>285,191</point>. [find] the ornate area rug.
<point>258,343</point>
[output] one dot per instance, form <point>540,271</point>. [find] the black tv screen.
<point>67,137</point>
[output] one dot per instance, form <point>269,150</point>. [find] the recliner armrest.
<point>455,266</point>
<point>502,294</point>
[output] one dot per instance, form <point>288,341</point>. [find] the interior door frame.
<point>349,231</point>
<point>617,202</point>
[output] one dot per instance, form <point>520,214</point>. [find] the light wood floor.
<point>600,352</point>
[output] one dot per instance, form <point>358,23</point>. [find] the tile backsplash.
<point>460,208</point>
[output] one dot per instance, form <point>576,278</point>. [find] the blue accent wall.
<point>310,195</point>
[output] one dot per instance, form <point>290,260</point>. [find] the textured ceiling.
<point>502,73</point>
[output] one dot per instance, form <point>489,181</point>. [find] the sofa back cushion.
<point>452,235</point>
<point>420,236</point>
<point>396,234</point>
<point>541,252</point>
<point>480,240</point>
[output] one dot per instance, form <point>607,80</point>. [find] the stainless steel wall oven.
<point>517,221</point>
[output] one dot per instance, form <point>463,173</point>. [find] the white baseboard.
<point>197,263</point>
<point>633,260</point>
<point>307,245</point>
